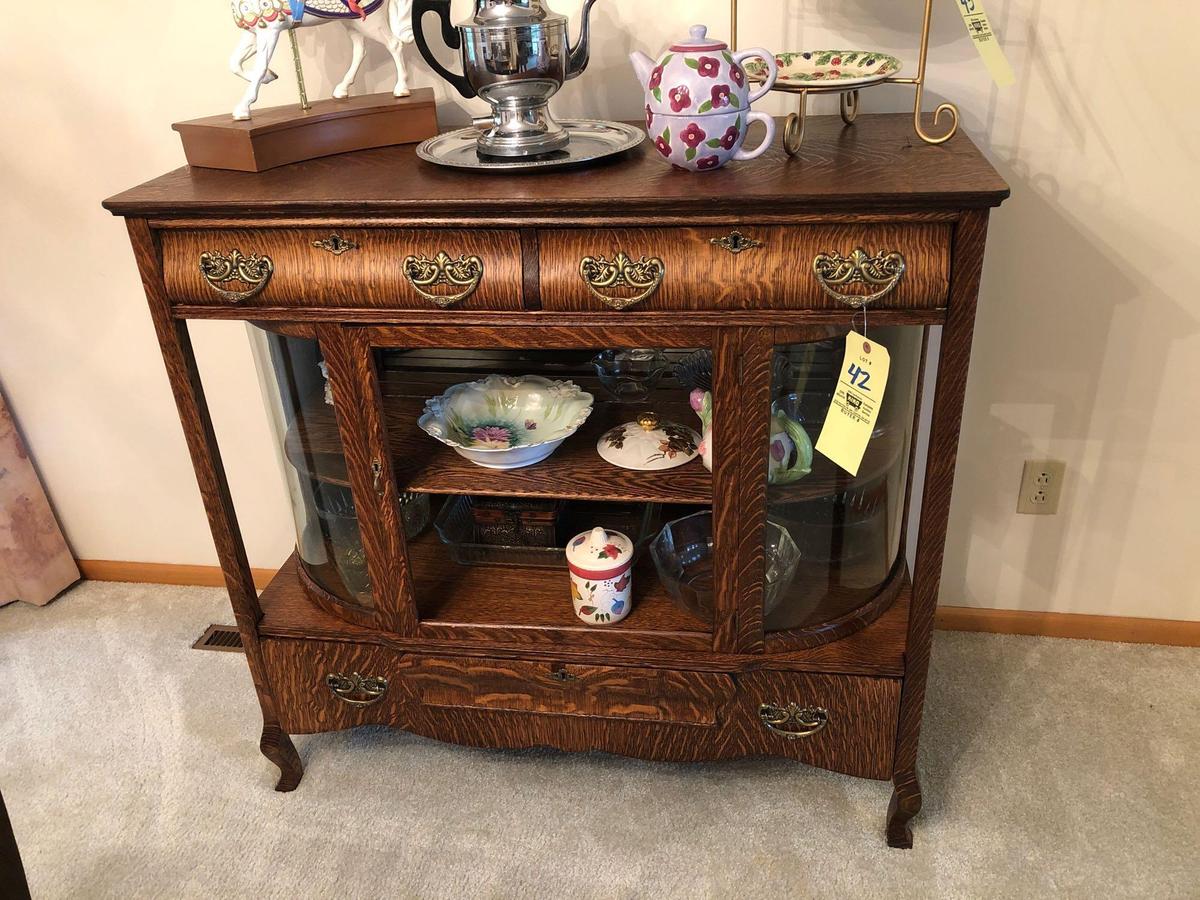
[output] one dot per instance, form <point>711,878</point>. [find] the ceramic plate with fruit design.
<point>828,69</point>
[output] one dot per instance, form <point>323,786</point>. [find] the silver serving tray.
<point>591,140</point>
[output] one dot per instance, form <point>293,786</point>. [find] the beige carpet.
<point>130,768</point>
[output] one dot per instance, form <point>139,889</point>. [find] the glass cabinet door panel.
<point>832,538</point>
<point>506,446</point>
<point>300,403</point>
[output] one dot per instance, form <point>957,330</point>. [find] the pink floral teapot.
<point>698,101</point>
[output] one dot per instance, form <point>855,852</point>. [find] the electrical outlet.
<point>1041,487</point>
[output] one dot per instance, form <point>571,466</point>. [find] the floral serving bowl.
<point>502,422</point>
<point>827,69</point>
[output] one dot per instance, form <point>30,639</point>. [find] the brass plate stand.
<point>793,134</point>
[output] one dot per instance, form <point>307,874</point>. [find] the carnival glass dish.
<point>502,422</point>
<point>683,556</point>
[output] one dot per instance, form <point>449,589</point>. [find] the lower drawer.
<point>322,685</point>
<point>840,722</point>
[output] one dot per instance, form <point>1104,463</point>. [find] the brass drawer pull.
<point>644,275</point>
<point>793,721</point>
<point>562,676</point>
<point>834,271</point>
<point>336,244</point>
<point>465,273</point>
<point>219,270</point>
<point>736,243</point>
<point>355,689</point>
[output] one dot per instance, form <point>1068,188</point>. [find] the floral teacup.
<point>707,142</point>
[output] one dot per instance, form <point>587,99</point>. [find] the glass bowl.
<point>683,553</point>
<point>630,375</point>
<point>505,422</point>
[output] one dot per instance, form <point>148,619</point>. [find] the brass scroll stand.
<point>793,132</point>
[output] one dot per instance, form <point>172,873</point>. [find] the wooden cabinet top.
<point>877,166</point>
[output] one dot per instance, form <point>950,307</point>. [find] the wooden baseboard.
<point>1170,632</point>
<point>162,573</point>
<point>949,618</point>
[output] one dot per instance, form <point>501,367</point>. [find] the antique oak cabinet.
<point>373,281</point>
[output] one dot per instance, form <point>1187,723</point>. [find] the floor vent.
<point>220,637</point>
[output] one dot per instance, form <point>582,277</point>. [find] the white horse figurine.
<point>265,20</point>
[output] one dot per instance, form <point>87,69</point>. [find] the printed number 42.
<point>859,377</point>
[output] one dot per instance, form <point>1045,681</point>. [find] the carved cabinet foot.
<point>906,803</point>
<point>277,746</point>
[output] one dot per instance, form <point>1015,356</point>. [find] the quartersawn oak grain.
<point>877,166</point>
<point>481,670</point>
<point>875,649</point>
<point>777,275</point>
<point>371,276</point>
<point>452,699</point>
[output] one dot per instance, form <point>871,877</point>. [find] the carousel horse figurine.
<point>388,22</point>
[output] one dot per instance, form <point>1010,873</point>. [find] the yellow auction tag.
<point>986,42</point>
<point>855,407</point>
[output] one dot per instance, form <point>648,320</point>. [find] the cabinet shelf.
<point>519,605</point>
<point>574,472</point>
<point>827,478</point>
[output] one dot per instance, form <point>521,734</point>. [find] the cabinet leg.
<point>906,803</point>
<point>277,746</point>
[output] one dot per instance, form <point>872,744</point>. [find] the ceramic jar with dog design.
<point>601,566</point>
<point>698,101</point>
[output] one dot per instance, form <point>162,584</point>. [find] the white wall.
<point>1087,343</point>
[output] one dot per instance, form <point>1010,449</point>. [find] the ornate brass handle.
<point>644,275</point>
<point>793,721</point>
<point>355,689</point>
<point>219,270</point>
<point>834,271</point>
<point>464,274</point>
<point>562,676</point>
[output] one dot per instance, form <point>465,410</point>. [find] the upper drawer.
<point>902,266</point>
<point>362,268</point>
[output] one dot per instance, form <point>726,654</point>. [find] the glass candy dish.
<point>630,375</point>
<point>683,556</point>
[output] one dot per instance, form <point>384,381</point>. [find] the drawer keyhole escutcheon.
<point>793,721</point>
<point>835,272</point>
<point>736,243</point>
<point>220,271</point>
<point>644,275</point>
<point>336,244</point>
<point>562,676</point>
<point>463,275</point>
<point>356,689</point>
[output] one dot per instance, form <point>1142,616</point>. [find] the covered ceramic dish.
<point>698,101</point>
<point>648,445</point>
<point>601,564</point>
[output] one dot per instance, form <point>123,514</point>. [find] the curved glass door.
<point>328,541</point>
<point>833,538</point>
